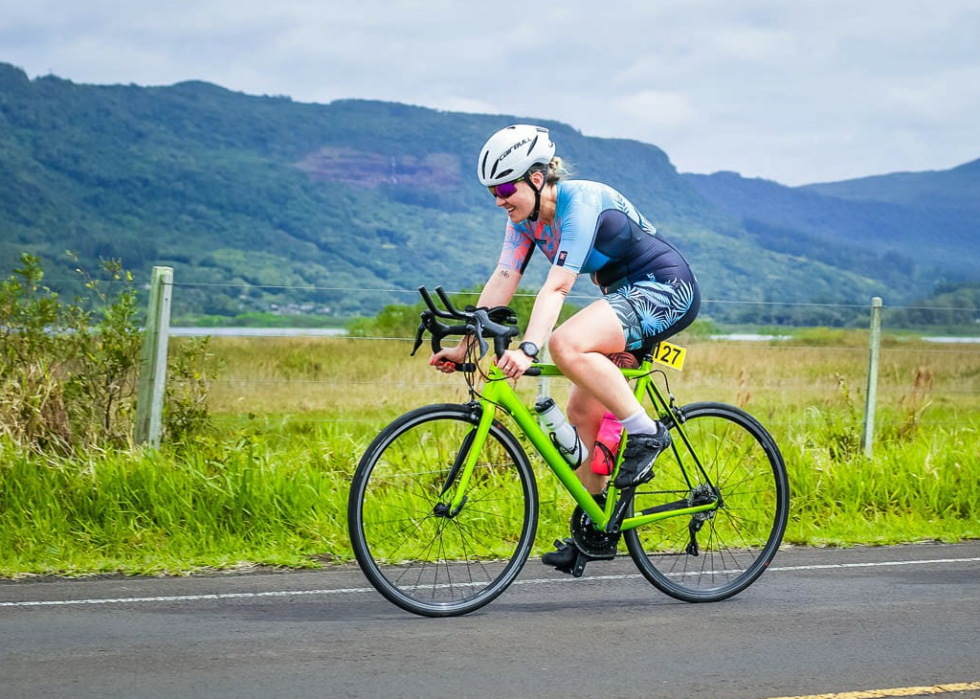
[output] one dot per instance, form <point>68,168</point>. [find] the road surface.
<point>873,621</point>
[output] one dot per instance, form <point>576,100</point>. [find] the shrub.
<point>68,371</point>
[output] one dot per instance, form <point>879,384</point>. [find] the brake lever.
<point>477,330</point>
<point>501,333</point>
<point>418,338</point>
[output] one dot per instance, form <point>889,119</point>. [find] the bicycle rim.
<point>708,557</point>
<point>419,556</point>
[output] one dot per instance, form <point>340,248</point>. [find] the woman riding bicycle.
<point>649,293</point>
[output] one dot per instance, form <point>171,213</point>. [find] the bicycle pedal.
<point>563,558</point>
<point>568,559</point>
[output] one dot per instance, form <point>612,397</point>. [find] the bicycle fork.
<point>463,465</point>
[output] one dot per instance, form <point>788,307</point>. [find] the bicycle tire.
<point>432,563</point>
<point>737,541</point>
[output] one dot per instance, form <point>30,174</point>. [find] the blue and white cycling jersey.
<point>596,231</point>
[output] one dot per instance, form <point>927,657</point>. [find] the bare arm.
<point>500,288</point>
<point>548,305</point>
<point>544,315</point>
<point>498,291</point>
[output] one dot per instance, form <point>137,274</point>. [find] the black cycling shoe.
<point>638,457</point>
<point>567,559</point>
<point>563,558</point>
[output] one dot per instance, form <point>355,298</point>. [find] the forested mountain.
<point>259,200</point>
<point>924,227</point>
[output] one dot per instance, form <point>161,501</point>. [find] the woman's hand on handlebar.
<point>514,363</point>
<point>446,359</point>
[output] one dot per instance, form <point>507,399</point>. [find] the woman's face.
<point>520,204</point>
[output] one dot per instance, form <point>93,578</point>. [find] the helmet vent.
<point>512,151</point>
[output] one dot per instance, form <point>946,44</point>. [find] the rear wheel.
<point>414,548</point>
<point>715,554</point>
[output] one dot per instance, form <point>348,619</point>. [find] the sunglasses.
<point>505,190</point>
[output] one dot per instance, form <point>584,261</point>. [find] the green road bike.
<point>443,507</point>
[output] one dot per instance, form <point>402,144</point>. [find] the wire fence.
<point>916,366</point>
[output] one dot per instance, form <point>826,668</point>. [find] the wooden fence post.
<point>867,437</point>
<point>153,359</point>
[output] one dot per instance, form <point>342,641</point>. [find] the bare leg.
<point>585,412</point>
<point>579,348</point>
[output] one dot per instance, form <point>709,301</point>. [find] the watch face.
<point>529,348</point>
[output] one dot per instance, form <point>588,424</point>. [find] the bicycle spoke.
<point>733,543</point>
<point>419,551</point>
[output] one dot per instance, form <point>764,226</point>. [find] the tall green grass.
<point>268,485</point>
<point>922,488</point>
<point>220,504</point>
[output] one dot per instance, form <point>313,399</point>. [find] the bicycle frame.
<point>497,394</point>
<point>426,551</point>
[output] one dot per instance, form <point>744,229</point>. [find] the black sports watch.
<point>529,348</point>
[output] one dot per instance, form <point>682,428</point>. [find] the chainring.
<point>595,544</point>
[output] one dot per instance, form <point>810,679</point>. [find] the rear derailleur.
<point>701,495</point>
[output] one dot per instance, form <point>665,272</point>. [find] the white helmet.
<point>512,151</point>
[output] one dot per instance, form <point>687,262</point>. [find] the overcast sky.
<point>796,91</point>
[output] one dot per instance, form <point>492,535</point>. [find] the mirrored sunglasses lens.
<point>504,190</point>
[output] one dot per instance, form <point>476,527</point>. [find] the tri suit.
<point>597,231</point>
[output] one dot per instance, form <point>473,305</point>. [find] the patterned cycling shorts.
<point>651,311</point>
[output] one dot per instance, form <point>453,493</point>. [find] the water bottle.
<point>563,433</point>
<point>607,445</point>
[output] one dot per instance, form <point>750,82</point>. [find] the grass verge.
<point>269,486</point>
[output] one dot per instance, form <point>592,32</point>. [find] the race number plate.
<point>669,355</point>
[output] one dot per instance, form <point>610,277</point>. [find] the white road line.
<point>881,564</point>
<point>358,590</point>
<point>185,598</point>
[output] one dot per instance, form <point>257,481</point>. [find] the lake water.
<point>954,340</point>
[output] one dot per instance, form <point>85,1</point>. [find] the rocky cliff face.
<point>372,169</point>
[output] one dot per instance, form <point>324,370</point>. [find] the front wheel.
<point>419,552</point>
<point>718,553</point>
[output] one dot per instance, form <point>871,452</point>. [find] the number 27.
<point>669,353</point>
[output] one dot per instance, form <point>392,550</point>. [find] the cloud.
<point>653,111</point>
<point>793,91</point>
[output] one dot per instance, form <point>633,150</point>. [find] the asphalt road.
<point>819,621</point>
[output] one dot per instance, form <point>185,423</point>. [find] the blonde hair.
<point>555,170</point>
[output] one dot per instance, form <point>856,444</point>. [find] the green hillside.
<point>922,228</point>
<point>259,201</point>
<point>954,190</point>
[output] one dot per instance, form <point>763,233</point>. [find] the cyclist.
<point>582,227</point>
